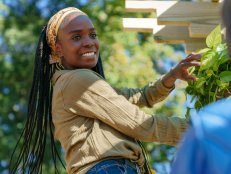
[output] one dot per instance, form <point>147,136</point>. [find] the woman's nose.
<point>88,42</point>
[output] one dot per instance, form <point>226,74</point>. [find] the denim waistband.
<point>128,162</point>
<point>121,161</point>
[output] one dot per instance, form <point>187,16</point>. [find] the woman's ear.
<point>58,49</point>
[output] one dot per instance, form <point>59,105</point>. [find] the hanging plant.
<point>214,74</point>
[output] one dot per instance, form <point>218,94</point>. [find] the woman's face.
<point>77,43</point>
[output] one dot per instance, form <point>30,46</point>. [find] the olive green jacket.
<point>94,122</point>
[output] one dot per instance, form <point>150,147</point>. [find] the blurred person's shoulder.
<point>212,124</point>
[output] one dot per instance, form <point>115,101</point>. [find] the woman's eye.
<point>76,37</point>
<point>93,35</point>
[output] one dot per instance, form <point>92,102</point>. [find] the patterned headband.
<point>53,27</point>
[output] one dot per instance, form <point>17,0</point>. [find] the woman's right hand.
<point>180,71</point>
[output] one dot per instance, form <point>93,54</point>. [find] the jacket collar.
<point>57,74</point>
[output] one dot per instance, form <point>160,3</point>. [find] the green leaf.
<point>214,38</point>
<point>200,82</point>
<point>221,47</point>
<point>190,90</point>
<point>208,60</point>
<point>224,57</point>
<point>205,50</point>
<point>191,70</point>
<point>222,85</point>
<point>209,72</point>
<point>225,76</point>
<point>198,105</point>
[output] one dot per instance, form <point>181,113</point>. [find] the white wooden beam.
<point>174,35</point>
<point>139,24</point>
<point>200,30</point>
<point>148,6</point>
<point>185,13</point>
<point>194,47</point>
<point>177,12</point>
<point>161,33</point>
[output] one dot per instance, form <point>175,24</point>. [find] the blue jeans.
<point>114,166</point>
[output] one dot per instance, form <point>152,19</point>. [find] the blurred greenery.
<point>130,60</point>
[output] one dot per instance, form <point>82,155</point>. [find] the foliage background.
<point>130,60</point>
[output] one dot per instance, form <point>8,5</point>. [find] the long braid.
<point>99,67</point>
<point>38,125</point>
<point>146,168</point>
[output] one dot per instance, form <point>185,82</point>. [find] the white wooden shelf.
<point>175,22</point>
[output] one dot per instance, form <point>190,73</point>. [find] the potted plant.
<point>214,74</point>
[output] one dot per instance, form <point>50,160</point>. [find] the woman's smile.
<point>89,54</point>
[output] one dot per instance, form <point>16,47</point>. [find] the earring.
<point>59,64</point>
<point>54,58</point>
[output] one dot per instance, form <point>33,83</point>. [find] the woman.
<point>98,127</point>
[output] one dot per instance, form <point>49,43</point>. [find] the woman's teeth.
<point>88,54</point>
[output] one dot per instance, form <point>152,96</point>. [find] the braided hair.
<point>29,151</point>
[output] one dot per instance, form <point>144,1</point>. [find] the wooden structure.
<point>175,22</point>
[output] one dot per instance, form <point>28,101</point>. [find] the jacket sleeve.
<point>88,95</point>
<point>147,96</point>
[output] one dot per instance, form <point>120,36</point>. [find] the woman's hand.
<point>180,71</point>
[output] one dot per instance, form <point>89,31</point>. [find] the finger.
<point>192,57</point>
<point>193,54</point>
<point>190,78</point>
<point>190,64</point>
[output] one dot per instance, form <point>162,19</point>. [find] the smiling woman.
<point>77,42</point>
<point>99,128</point>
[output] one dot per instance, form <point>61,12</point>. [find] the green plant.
<point>214,74</point>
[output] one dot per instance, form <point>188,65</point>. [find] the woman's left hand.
<point>180,71</point>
